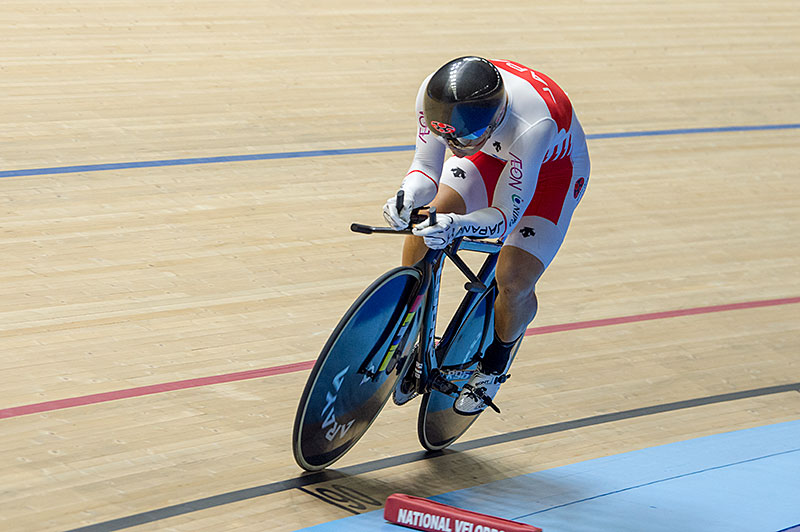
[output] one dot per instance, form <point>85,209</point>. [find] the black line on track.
<point>385,463</point>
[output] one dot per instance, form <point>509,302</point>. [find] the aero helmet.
<point>464,102</point>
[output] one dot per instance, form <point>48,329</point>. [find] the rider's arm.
<point>422,180</point>
<point>515,187</point>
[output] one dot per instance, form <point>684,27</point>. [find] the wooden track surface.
<point>134,277</point>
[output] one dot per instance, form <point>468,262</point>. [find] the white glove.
<point>398,220</point>
<point>439,235</point>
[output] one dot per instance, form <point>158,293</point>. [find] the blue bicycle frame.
<point>431,268</point>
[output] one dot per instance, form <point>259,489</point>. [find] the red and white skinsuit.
<point>527,179</point>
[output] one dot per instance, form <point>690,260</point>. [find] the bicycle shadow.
<point>357,489</point>
<point>361,488</point>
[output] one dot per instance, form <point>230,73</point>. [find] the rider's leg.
<point>527,252</point>
<point>446,201</point>
<point>515,306</point>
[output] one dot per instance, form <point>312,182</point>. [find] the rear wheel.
<point>356,370</point>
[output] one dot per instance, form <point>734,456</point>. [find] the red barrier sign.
<point>431,516</point>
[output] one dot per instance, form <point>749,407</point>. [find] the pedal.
<point>441,384</point>
<point>486,399</point>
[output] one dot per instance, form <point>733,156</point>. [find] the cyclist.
<point>520,167</point>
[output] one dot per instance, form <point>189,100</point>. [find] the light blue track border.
<point>733,481</point>
<point>349,151</point>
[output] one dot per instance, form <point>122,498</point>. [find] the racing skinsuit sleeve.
<point>422,179</point>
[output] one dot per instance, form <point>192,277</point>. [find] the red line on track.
<point>59,404</point>
<point>153,388</point>
<point>659,315</point>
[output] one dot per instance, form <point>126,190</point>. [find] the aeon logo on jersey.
<point>329,420</point>
<point>423,128</point>
<point>515,173</point>
<point>441,127</point>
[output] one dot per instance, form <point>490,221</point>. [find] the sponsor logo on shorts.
<point>497,146</point>
<point>527,232</point>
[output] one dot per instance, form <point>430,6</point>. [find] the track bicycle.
<point>387,340</point>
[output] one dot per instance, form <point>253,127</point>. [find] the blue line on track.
<point>348,151</point>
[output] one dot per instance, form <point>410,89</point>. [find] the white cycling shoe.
<point>478,393</point>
